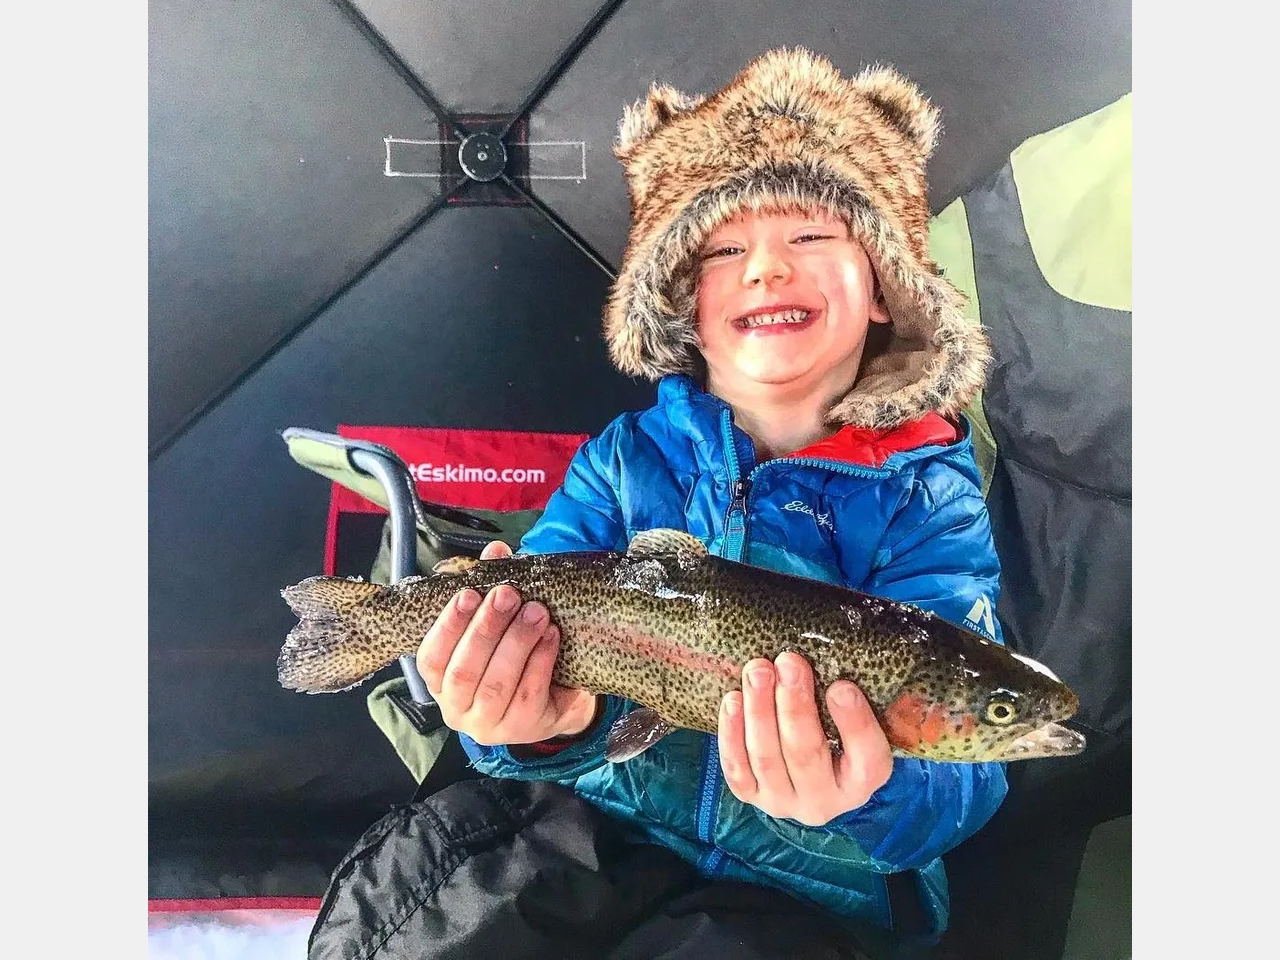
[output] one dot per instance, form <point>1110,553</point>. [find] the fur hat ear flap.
<point>645,117</point>
<point>902,104</point>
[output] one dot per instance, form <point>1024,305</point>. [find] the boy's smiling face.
<point>784,303</point>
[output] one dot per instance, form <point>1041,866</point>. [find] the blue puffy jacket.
<point>905,524</point>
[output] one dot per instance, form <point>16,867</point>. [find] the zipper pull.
<point>735,522</point>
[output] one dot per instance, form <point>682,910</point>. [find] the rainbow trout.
<point>670,627</point>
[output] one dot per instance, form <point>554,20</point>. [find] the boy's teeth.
<point>785,316</point>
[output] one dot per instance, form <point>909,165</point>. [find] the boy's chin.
<point>774,377</point>
<point>775,369</point>
<point>766,375</point>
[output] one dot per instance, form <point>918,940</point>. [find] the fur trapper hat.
<point>790,131</point>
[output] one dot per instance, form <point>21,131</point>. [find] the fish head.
<point>997,706</point>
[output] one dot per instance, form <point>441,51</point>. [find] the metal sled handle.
<point>381,463</point>
<point>395,478</point>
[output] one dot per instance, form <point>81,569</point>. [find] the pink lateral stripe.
<point>233,903</point>
<point>670,652</point>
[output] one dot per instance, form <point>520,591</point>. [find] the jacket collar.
<point>866,447</point>
<point>698,413</point>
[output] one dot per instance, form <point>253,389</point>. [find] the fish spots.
<point>965,724</point>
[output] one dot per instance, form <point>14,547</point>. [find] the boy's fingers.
<point>804,744</point>
<point>867,761</point>
<point>527,709</point>
<point>471,656</point>
<point>442,638</point>
<point>734,761</point>
<point>501,676</point>
<point>764,748</point>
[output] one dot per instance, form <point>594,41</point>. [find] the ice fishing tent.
<point>387,212</point>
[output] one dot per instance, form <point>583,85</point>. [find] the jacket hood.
<point>790,132</point>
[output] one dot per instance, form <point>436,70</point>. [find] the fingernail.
<point>844,695</point>
<point>731,706</point>
<point>504,601</point>
<point>468,601</point>
<point>532,613</point>
<point>788,672</point>
<point>758,677</point>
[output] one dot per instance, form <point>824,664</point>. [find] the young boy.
<point>811,369</point>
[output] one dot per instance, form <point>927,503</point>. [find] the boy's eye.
<point>814,236</point>
<point>720,252</point>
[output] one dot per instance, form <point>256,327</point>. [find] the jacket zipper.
<point>735,519</point>
<point>735,537</point>
<point>871,473</point>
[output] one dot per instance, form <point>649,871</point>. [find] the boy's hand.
<point>488,662</point>
<point>774,752</point>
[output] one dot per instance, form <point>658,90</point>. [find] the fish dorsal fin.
<point>664,543</point>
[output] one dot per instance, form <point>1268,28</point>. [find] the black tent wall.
<point>293,281</point>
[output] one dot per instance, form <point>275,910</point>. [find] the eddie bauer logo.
<point>979,617</point>
<point>822,519</point>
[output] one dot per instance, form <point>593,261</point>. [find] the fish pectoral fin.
<point>451,566</point>
<point>635,733</point>
<point>663,542</point>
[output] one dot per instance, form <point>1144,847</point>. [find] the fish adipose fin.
<point>635,733</point>
<point>316,656</point>
<point>455,565</point>
<point>664,543</point>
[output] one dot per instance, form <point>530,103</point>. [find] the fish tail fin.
<point>326,652</point>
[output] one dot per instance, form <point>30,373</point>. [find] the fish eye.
<point>1001,712</point>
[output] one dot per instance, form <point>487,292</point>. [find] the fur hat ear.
<point>902,104</point>
<point>645,117</point>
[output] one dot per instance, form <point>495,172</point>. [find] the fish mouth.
<point>1051,740</point>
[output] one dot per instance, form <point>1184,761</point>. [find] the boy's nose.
<point>765,266</point>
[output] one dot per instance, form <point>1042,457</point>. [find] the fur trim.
<point>790,131</point>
